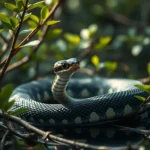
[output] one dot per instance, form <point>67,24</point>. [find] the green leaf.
<point>36,5</point>
<point>72,38</point>
<point>7,25</point>
<point>11,7</point>
<point>25,31</point>
<point>148,68</point>
<point>27,15</point>
<point>5,94</point>
<point>53,33</point>
<point>4,18</point>
<point>141,98</point>
<point>19,4</point>
<point>1,30</point>
<point>18,111</point>
<point>8,105</point>
<point>34,18</point>
<point>52,22</point>
<point>111,66</point>
<point>14,21</point>
<point>145,88</point>
<point>95,60</point>
<point>32,24</point>
<point>32,43</point>
<point>44,12</point>
<point>103,41</point>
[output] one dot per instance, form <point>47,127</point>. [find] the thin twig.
<point>42,133</point>
<point>13,43</point>
<point>27,58</point>
<point>3,140</point>
<point>7,60</point>
<point>38,27</point>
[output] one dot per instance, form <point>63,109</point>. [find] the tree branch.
<point>43,134</point>
<point>4,139</point>
<point>14,50</point>
<point>27,58</point>
<point>13,43</point>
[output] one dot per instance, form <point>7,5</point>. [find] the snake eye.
<point>65,66</point>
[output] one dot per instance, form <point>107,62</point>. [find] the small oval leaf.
<point>72,38</point>
<point>25,31</point>
<point>4,18</point>
<point>18,111</point>
<point>35,18</point>
<point>145,88</point>
<point>95,60</point>
<point>44,12</point>
<point>141,98</point>
<point>8,105</point>
<point>36,5</point>
<point>11,7</point>
<point>5,94</point>
<point>52,22</point>
<point>14,21</point>
<point>32,43</point>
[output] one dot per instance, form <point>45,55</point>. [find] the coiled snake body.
<point>120,100</point>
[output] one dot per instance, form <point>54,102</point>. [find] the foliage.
<point>109,37</point>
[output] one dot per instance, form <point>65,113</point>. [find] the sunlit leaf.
<point>136,50</point>
<point>27,15</point>
<point>4,18</point>
<point>25,31</point>
<point>52,22</point>
<point>32,24</point>
<point>92,29</point>
<point>11,6</point>
<point>18,111</point>
<point>53,33</point>
<point>37,5</point>
<point>1,30</point>
<point>103,41</point>
<point>34,18</point>
<point>44,12</point>
<point>19,4</point>
<point>72,38</point>
<point>145,88</point>
<point>32,43</point>
<point>14,21</point>
<point>148,68</point>
<point>7,105</point>
<point>95,60</point>
<point>111,66</point>
<point>5,94</point>
<point>141,98</point>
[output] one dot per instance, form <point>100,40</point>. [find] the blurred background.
<point>110,38</point>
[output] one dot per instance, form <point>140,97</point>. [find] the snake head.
<point>66,66</point>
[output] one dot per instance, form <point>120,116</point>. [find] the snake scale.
<point>117,98</point>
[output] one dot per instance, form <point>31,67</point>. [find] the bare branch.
<point>3,140</point>
<point>27,58</point>
<point>42,133</point>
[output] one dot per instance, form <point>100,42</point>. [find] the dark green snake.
<point>117,98</point>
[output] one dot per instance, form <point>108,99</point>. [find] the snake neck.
<point>59,89</point>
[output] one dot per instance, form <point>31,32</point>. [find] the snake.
<point>74,105</point>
